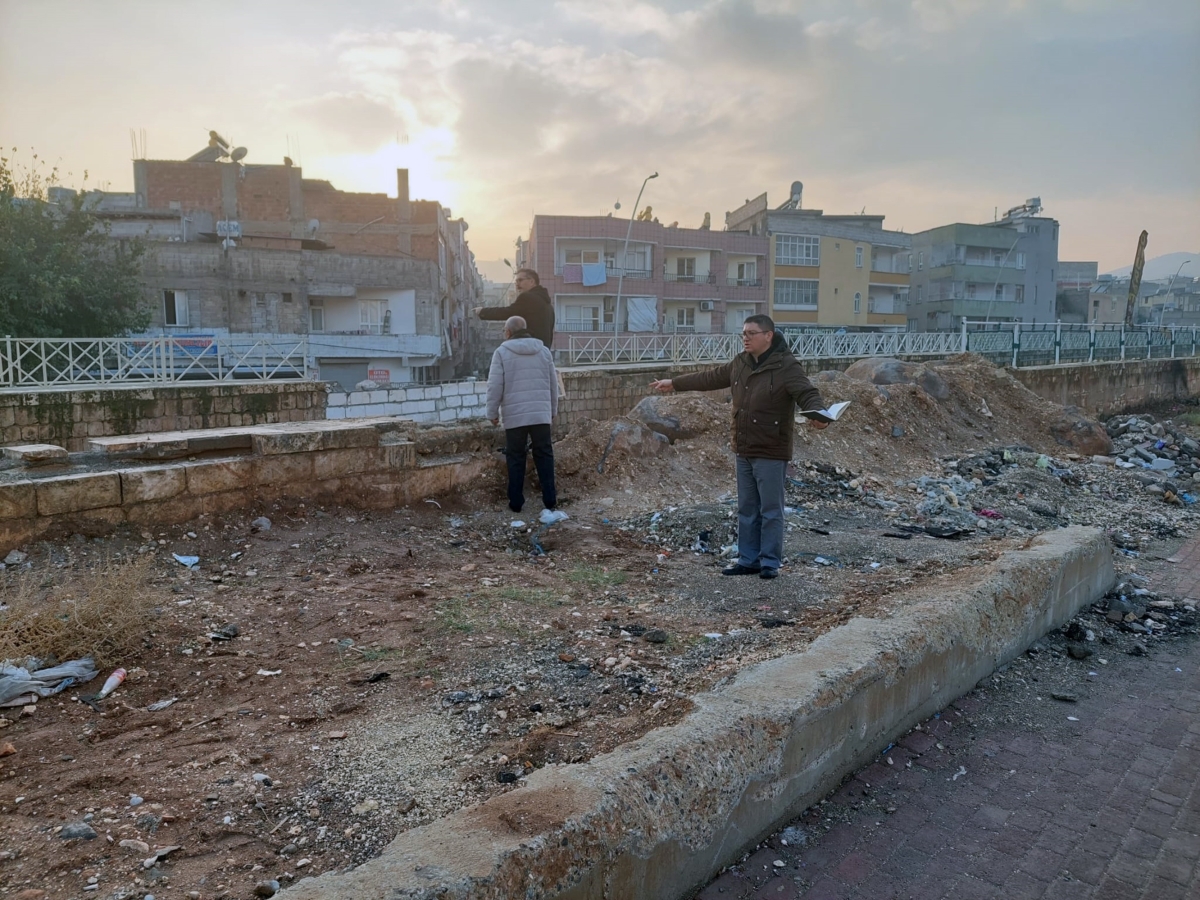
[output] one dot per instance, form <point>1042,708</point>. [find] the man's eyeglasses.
<point>746,334</point>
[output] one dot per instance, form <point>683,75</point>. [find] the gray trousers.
<point>760,511</point>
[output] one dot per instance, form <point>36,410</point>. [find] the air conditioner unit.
<point>706,306</point>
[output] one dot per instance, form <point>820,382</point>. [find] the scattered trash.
<point>225,632</point>
<point>433,502</point>
<point>190,561</point>
<point>269,672</point>
<point>15,558</point>
<point>552,516</point>
<point>962,770</point>
<point>516,523</point>
<point>990,514</point>
<point>160,705</point>
<point>19,686</point>
<point>262,523</point>
<point>111,683</point>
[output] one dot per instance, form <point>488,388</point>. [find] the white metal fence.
<point>608,349</point>
<point>33,363</point>
<point>1022,345</point>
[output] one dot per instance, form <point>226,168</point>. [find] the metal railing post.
<point>1057,342</point>
<point>1016,342</point>
<point>963,349</point>
<point>1092,344</point>
<point>1172,342</point>
<point>1122,342</point>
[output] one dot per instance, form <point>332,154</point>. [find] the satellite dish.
<point>617,205</point>
<point>238,154</point>
<point>313,226</point>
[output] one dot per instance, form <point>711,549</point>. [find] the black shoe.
<point>768,573</point>
<point>515,509</point>
<point>739,569</point>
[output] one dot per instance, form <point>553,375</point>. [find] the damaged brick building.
<point>381,286</point>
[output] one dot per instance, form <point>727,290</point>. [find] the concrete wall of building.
<point>70,418</point>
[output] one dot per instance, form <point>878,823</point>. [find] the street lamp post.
<point>624,260</point>
<point>1170,284</point>
<point>988,315</point>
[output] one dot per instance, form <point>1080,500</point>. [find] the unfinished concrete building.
<point>381,286</point>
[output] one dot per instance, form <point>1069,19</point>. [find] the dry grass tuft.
<point>103,612</point>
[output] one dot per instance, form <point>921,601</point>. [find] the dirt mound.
<point>902,418</point>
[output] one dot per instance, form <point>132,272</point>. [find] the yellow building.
<point>829,270</point>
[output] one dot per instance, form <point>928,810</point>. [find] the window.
<point>857,302</point>
<point>582,256</point>
<point>316,314</point>
<point>970,291</point>
<point>920,292</point>
<point>685,316</point>
<point>1020,293</point>
<point>1020,260</point>
<point>796,292</point>
<point>370,315</point>
<point>920,260</point>
<point>910,262</point>
<point>175,308</point>
<point>637,261</point>
<point>797,250</point>
<point>287,297</point>
<point>581,318</point>
<point>999,292</point>
<point>685,268</point>
<point>858,254</point>
<point>747,272</point>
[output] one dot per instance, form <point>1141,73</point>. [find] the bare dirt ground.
<point>346,675</point>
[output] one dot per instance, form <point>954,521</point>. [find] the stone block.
<point>453,402</point>
<point>426,406</point>
<point>357,398</point>
<point>409,407</point>
<point>340,463</point>
<point>335,412</point>
<point>149,484</point>
<point>447,415</point>
<point>397,395</point>
<point>75,493</point>
<point>35,453</point>
<point>336,399</point>
<point>18,500</point>
<point>416,393</point>
<point>220,475</point>
<point>377,396</point>
<point>168,512</point>
<point>294,468</point>
<point>314,437</point>
<point>401,456</point>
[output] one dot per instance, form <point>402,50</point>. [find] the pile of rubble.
<point>1168,456</point>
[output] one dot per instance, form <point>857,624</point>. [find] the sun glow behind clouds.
<point>427,156</point>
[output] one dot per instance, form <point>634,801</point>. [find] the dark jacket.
<point>764,399</point>
<point>534,306</point>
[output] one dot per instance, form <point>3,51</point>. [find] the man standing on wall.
<point>523,391</point>
<point>533,304</point>
<point>766,382</point>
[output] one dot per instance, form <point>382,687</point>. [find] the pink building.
<point>686,280</point>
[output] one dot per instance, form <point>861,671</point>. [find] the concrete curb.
<point>657,817</point>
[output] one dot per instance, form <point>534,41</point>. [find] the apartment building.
<point>381,286</point>
<point>1003,271</point>
<point>1073,295</point>
<point>671,279</point>
<point>832,270</point>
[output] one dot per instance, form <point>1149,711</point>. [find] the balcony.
<point>615,272</point>
<point>592,325</point>
<point>701,278</point>
<point>743,282</point>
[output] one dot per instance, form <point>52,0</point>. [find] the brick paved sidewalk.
<point>1106,807</point>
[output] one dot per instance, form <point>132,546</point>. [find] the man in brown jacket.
<point>766,382</point>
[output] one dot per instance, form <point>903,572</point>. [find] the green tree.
<point>60,273</point>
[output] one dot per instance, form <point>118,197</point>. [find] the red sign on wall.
<point>379,376</point>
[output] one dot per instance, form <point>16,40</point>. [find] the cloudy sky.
<point>927,111</point>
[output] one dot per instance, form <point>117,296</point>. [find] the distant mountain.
<point>1161,267</point>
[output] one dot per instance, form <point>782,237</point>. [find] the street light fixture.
<point>1163,311</point>
<point>624,261</point>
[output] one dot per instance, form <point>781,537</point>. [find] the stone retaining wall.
<point>70,418</point>
<point>372,464</point>
<point>1105,388</point>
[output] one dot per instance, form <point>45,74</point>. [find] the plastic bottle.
<point>114,681</point>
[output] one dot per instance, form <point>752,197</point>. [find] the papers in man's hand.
<point>832,414</point>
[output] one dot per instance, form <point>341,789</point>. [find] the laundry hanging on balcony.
<point>643,314</point>
<point>594,274</point>
<point>572,273</point>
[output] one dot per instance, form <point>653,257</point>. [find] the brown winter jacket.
<point>534,306</point>
<point>764,399</point>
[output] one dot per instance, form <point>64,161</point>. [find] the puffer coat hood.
<point>522,383</point>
